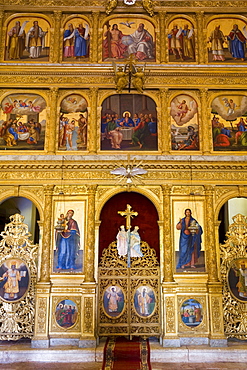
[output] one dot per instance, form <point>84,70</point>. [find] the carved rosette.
<point>167,237</point>
<point>89,249</point>
<point>45,256</point>
<point>211,255</point>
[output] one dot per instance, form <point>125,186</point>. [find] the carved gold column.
<point>205,127</point>
<point>167,237</point>
<point>90,243</point>
<point>94,45</point>
<point>169,335</point>
<point>211,256</point>
<point>47,227</point>
<point>87,338</point>
<point>164,126</point>
<point>52,122</point>
<point>201,42</point>
<point>2,36</point>
<point>163,49</point>
<point>217,337</point>
<point>57,49</point>
<point>41,325</point>
<point>92,132</point>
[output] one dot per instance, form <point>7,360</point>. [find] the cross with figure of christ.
<point>128,215</point>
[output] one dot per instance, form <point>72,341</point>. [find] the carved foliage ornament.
<point>233,270</point>
<point>17,278</point>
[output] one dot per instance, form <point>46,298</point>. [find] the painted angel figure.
<point>138,79</point>
<point>230,105</point>
<point>121,78</point>
<point>183,111</point>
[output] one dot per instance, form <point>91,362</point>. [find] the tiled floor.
<point>98,366</point>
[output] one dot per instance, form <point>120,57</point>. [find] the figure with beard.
<point>142,45</point>
<point>189,244</point>
<point>35,40</point>
<point>16,41</point>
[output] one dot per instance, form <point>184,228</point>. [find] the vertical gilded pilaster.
<point>52,122</point>
<point>45,256</point>
<point>90,243</point>
<point>211,256</point>
<point>163,44</point>
<point>164,127</point>
<point>201,41</point>
<point>92,131</point>
<point>57,50</point>
<point>167,237</point>
<point>94,46</point>
<point>205,135</point>
<point>2,36</point>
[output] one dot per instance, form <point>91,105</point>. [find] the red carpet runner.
<point>123,354</point>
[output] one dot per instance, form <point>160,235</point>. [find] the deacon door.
<point>128,290</point>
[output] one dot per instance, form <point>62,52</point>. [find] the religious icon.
<point>66,313</point>
<point>130,126</point>
<point>131,237</point>
<point>181,41</point>
<point>22,122</point>
<point>226,40</point>
<point>191,312</point>
<point>76,39</point>
<point>73,123</point>
<point>28,38</point>
<point>123,37</point>
<point>184,123</point>
<point>237,279</point>
<point>69,237</point>
<point>144,301</point>
<point>229,135</point>
<point>189,257</point>
<point>14,280</point>
<point>113,301</point>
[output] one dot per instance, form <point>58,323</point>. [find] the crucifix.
<point>128,214</point>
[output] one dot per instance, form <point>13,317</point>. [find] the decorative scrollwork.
<point>110,258</point>
<point>17,315</point>
<point>234,249</point>
<point>134,288</point>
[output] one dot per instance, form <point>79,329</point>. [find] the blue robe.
<point>80,45</point>
<point>237,44</point>
<point>186,244</point>
<point>68,246</point>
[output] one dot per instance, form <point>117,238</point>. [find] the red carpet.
<point>123,354</point>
